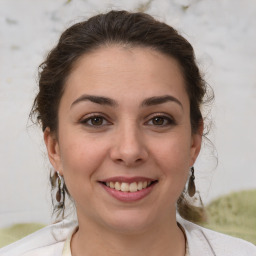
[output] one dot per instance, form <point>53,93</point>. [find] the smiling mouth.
<point>129,187</point>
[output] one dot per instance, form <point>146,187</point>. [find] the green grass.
<point>16,232</point>
<point>234,214</point>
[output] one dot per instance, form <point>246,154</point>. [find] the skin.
<point>127,142</point>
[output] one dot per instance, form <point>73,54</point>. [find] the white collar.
<point>67,245</point>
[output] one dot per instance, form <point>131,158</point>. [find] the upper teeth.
<point>126,187</point>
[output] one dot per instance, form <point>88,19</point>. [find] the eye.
<point>161,121</point>
<point>95,121</point>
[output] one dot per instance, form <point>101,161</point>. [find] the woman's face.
<point>124,143</point>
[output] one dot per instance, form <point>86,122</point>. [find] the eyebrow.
<point>96,99</point>
<point>156,100</point>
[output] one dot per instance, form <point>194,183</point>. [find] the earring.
<point>191,184</point>
<point>60,192</point>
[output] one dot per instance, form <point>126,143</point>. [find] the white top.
<point>67,250</point>
<point>54,240</point>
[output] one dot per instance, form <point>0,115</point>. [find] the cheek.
<point>173,159</point>
<point>81,158</point>
<point>174,150</point>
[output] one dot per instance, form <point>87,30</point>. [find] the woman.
<point>119,103</point>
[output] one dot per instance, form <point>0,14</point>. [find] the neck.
<point>161,239</point>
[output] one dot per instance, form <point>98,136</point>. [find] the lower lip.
<point>129,196</point>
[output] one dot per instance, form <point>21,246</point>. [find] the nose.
<point>129,147</point>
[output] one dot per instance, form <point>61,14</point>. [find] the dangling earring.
<point>60,192</point>
<point>191,184</point>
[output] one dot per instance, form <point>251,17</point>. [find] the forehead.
<point>125,73</point>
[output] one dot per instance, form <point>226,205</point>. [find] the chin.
<point>129,221</point>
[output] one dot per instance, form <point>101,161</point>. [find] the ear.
<point>196,141</point>
<point>53,149</point>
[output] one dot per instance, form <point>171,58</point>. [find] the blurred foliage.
<point>234,214</point>
<point>16,232</point>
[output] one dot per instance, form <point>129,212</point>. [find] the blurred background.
<point>224,37</point>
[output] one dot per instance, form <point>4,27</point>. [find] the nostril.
<point>128,152</point>
<point>129,162</point>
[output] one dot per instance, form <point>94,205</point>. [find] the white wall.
<point>224,37</point>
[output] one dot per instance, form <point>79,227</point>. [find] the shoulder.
<point>202,240</point>
<point>47,241</point>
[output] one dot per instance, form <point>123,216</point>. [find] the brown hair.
<point>122,28</point>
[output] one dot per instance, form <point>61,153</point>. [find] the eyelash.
<point>168,121</point>
<point>93,116</point>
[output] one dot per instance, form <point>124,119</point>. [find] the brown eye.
<point>158,120</point>
<point>97,120</point>
<point>161,121</point>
